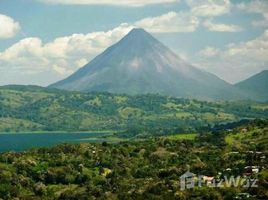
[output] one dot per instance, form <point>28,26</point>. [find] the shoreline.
<point>58,132</point>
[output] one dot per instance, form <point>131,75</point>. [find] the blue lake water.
<point>25,141</point>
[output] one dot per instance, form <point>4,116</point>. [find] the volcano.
<point>140,64</point>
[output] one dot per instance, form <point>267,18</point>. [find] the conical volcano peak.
<point>140,64</point>
<point>137,42</point>
<point>138,31</point>
<point>139,34</point>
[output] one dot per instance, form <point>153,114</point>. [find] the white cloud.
<point>205,8</point>
<point>59,58</point>
<point>64,55</point>
<point>261,23</point>
<point>61,70</point>
<point>256,50</point>
<point>49,62</point>
<point>209,52</point>
<point>257,6</point>
<point>134,3</point>
<point>81,62</point>
<point>8,27</point>
<point>217,27</point>
<point>170,22</point>
<point>236,61</point>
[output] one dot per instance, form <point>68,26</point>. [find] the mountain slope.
<point>256,86</point>
<point>140,64</point>
<point>31,108</point>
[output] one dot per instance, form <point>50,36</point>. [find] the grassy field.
<point>245,137</point>
<point>183,136</point>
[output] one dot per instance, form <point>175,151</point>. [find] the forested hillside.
<point>30,108</point>
<point>149,169</point>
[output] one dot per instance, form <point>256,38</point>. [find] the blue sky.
<point>43,41</point>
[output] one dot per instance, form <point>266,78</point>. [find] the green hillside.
<point>250,138</point>
<point>148,169</point>
<point>31,108</point>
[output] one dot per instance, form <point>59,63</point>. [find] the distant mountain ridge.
<point>256,85</point>
<point>140,64</point>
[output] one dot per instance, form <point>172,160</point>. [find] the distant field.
<point>183,136</point>
<point>249,137</point>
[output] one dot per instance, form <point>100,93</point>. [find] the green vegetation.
<point>143,169</point>
<point>182,137</point>
<point>213,138</point>
<point>35,109</point>
<point>248,136</point>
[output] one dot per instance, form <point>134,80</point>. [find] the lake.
<point>25,141</point>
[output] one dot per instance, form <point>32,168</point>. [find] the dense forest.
<point>35,109</point>
<point>148,169</point>
<point>166,137</point>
